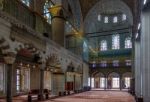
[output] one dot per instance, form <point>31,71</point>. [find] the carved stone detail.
<point>10,58</point>
<point>64,57</point>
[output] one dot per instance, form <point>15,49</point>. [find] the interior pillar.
<point>42,67</point>
<point>105,87</point>
<point>145,56</point>
<point>74,82</point>
<point>81,81</point>
<point>138,77</point>
<point>58,25</point>
<point>9,60</point>
<point>52,81</point>
<point>120,82</point>
<point>90,81</point>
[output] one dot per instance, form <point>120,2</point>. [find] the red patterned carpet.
<point>97,96</point>
<point>92,96</point>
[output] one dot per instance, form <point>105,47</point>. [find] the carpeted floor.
<point>90,96</point>
<point>97,96</point>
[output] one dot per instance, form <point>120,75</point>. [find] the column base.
<point>40,97</point>
<point>46,96</point>
<point>29,98</point>
<point>9,100</point>
<point>140,99</point>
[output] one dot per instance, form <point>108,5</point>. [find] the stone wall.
<point>85,74</point>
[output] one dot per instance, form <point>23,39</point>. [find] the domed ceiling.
<point>109,9</point>
<point>132,5</point>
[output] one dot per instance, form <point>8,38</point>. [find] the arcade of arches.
<point>111,81</point>
<point>74,48</point>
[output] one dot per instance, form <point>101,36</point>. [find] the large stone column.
<point>9,60</point>
<point>81,85</point>
<point>138,67</point>
<point>42,67</point>
<point>142,59</point>
<point>145,55</point>
<point>105,82</point>
<point>120,82</point>
<point>58,25</point>
<point>74,81</point>
<point>91,82</point>
<point>86,73</point>
<point>52,81</point>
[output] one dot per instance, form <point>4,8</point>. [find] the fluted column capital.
<point>56,10</point>
<point>9,58</point>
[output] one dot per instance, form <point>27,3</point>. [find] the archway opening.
<point>113,81</point>
<point>54,76</point>
<point>97,81</point>
<point>126,80</point>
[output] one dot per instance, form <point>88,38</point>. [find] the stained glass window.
<point>26,2</point>
<point>115,82</point>
<point>89,81</point>
<point>47,14</point>
<point>103,45</point>
<point>124,17</point>
<point>115,19</point>
<point>127,82</point>
<point>103,63</point>
<point>99,17</point>
<point>128,42</point>
<point>116,41</point>
<point>115,63</point>
<point>94,64</point>
<point>102,82</point>
<point>23,79</point>
<point>128,62</point>
<point>18,80</point>
<point>106,19</point>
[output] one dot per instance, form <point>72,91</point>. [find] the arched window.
<point>128,62</point>
<point>103,63</point>
<point>103,45</point>
<point>23,77</point>
<point>26,2</point>
<point>18,80</point>
<point>106,19</point>
<point>124,17</point>
<point>115,19</point>
<point>47,14</point>
<point>116,41</point>
<point>94,64</point>
<point>99,17</point>
<point>128,43</point>
<point>116,63</point>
